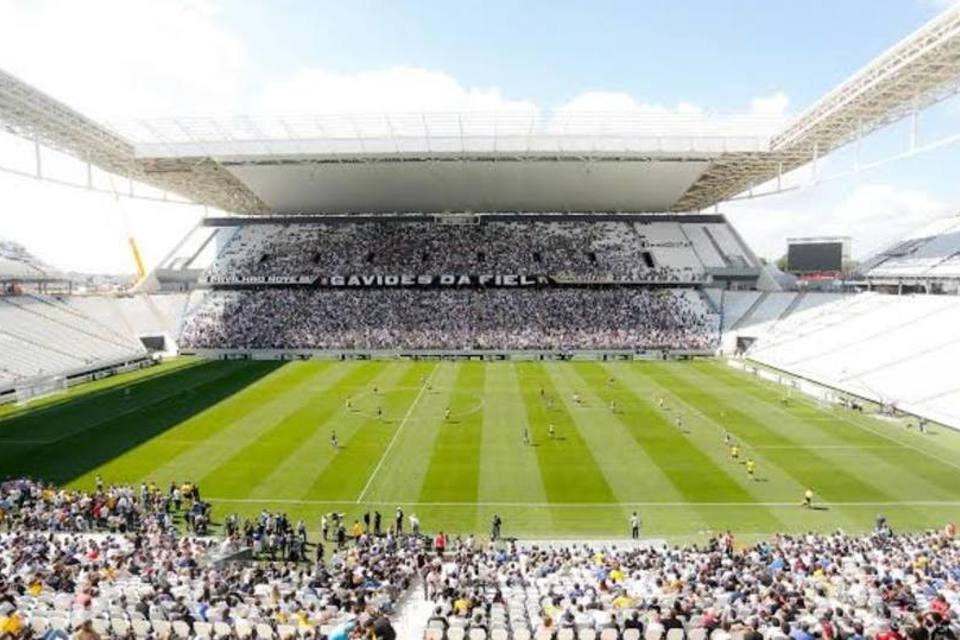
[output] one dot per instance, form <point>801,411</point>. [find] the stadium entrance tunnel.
<point>61,442</point>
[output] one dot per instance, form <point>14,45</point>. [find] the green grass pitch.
<point>256,435</point>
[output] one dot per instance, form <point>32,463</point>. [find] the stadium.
<point>484,375</point>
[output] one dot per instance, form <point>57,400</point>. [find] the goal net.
<point>40,387</point>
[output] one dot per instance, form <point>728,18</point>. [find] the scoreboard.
<point>817,255</point>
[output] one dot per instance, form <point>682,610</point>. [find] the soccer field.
<point>256,435</point>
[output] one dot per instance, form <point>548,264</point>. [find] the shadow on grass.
<point>62,442</point>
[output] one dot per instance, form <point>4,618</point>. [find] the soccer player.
<point>349,404</point>
<point>446,415</point>
<point>751,469</point>
<point>660,402</point>
<point>333,440</point>
<point>735,453</point>
<point>576,397</point>
<point>679,423</point>
<point>727,439</point>
<point>635,526</point>
<point>613,406</point>
<point>552,432</point>
<point>379,412</point>
<point>376,389</point>
<point>808,499</point>
<point>526,436</point>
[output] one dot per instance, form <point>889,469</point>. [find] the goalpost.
<point>39,387</point>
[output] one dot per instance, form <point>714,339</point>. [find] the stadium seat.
<point>162,628</point>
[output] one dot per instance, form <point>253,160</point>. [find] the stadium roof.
<point>492,162</point>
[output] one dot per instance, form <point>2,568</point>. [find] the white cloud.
<point>122,57</point>
<point>874,215</point>
<point>393,90</point>
<point>774,105</point>
<point>620,102</point>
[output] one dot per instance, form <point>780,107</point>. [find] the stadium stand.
<point>932,253</point>
<point>496,319</point>
<point>18,264</point>
<point>572,250</point>
<point>112,562</point>
<point>575,259</point>
<point>44,335</point>
<point>894,350</point>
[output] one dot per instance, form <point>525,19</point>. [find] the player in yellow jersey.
<point>735,452</point>
<point>808,499</point>
<point>751,469</point>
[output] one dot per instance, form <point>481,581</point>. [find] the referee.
<point>635,526</point>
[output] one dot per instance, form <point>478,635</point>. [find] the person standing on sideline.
<point>414,524</point>
<point>325,526</point>
<point>399,528</point>
<point>440,543</point>
<point>635,526</point>
<point>366,521</point>
<point>376,523</point>
<point>495,525</point>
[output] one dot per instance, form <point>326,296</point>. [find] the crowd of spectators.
<point>112,563</point>
<point>529,318</point>
<point>123,563</point>
<point>880,586</point>
<point>575,251</point>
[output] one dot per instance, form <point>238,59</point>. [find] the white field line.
<point>393,440</point>
<point>589,505</point>
<point>851,447</point>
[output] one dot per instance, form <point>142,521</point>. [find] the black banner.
<point>441,280</point>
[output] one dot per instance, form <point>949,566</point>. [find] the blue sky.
<point>121,58</point>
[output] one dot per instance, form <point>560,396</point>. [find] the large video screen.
<point>815,256</point>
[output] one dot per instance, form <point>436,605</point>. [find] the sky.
<point>121,59</point>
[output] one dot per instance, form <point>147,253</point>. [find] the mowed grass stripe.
<point>230,426</point>
<point>568,470</point>
<point>872,466</point>
<point>941,479</point>
<point>50,423</point>
<point>115,447</point>
<point>706,434</point>
<point>453,473</point>
<point>811,469</point>
<point>695,474</point>
<point>508,470</point>
<point>249,465</point>
<point>413,426</point>
<point>364,437</point>
<point>87,392</point>
<point>629,470</point>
